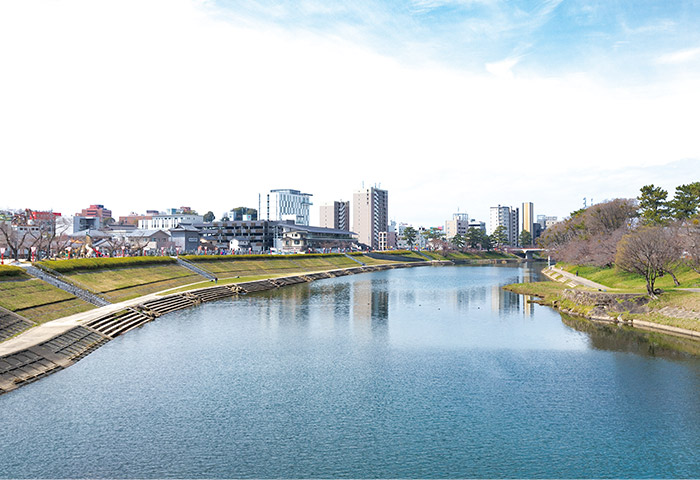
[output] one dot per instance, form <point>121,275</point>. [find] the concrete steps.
<point>119,323</point>
<point>211,294</point>
<point>33,363</point>
<point>170,303</point>
<point>192,267</point>
<point>11,324</point>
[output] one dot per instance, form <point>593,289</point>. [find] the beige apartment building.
<point>370,215</point>
<point>335,215</point>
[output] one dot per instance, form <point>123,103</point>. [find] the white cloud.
<point>503,68</point>
<point>161,103</point>
<point>680,56</point>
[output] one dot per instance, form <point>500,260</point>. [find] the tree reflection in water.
<point>619,338</point>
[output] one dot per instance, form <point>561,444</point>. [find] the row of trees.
<point>24,233</point>
<point>656,209</point>
<point>650,235</point>
<point>475,239</point>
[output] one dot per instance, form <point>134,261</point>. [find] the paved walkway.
<point>559,275</point>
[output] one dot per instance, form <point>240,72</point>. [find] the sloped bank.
<point>612,308</point>
<point>30,364</point>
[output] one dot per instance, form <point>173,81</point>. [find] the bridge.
<point>527,252</point>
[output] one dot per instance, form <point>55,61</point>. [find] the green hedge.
<point>77,264</point>
<point>10,271</point>
<point>233,258</point>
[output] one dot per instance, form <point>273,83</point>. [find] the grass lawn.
<point>38,301</point>
<point>372,261</point>
<point>119,284</point>
<point>617,279</point>
<point>403,253</point>
<point>276,266</point>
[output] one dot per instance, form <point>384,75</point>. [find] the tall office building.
<point>528,218</point>
<point>335,215</point>
<point>285,204</point>
<point>370,215</point>
<point>508,217</point>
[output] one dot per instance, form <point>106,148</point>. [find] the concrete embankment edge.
<point>68,341</point>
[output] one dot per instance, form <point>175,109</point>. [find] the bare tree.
<point>17,234</point>
<point>61,240</point>
<point>689,233</point>
<point>649,251</point>
<point>590,236</point>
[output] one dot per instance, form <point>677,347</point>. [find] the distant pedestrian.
<point>577,273</point>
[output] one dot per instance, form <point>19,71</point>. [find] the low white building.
<point>166,222</point>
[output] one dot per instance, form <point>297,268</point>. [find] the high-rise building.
<point>335,215</point>
<point>370,215</point>
<point>528,218</point>
<point>507,217</point>
<point>286,204</point>
<point>457,226</point>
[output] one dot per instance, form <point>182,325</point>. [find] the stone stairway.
<point>56,279</point>
<point>120,322</point>
<point>35,362</point>
<point>354,259</point>
<point>12,324</point>
<point>195,269</point>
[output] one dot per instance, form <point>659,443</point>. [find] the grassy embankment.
<point>235,269</point>
<point>616,279</point>
<point>674,307</point>
<point>35,299</point>
<point>120,279</point>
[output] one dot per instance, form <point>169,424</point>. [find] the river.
<point>420,372</point>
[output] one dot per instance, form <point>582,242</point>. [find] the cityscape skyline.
<point>465,103</point>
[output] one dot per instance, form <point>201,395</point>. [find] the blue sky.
<point>616,41</point>
<point>151,104</point>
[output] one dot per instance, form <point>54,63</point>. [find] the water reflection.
<point>370,306</point>
<point>617,338</point>
<point>504,301</point>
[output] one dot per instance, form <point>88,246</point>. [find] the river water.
<point>422,372</point>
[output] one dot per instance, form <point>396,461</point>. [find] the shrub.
<point>234,258</point>
<point>78,264</point>
<point>10,271</point>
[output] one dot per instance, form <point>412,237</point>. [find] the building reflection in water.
<point>370,307</point>
<point>463,298</point>
<point>504,301</point>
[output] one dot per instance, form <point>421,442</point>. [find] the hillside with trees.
<point>651,236</point>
